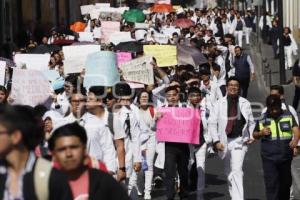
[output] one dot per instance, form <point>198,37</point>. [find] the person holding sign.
<point>176,155</point>
<point>231,125</point>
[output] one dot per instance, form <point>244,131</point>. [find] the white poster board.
<point>30,87</point>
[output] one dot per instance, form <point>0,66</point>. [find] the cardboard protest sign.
<point>123,57</point>
<point>32,61</point>
<point>2,72</point>
<point>86,37</point>
<point>107,28</point>
<point>101,69</point>
<point>138,70</point>
<point>179,125</point>
<point>165,55</point>
<point>85,9</point>
<point>75,57</point>
<point>29,87</point>
<point>118,37</point>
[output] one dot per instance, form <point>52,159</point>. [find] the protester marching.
<point>129,96</point>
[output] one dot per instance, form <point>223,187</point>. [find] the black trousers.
<point>296,97</point>
<point>244,85</point>
<point>278,179</point>
<point>176,159</point>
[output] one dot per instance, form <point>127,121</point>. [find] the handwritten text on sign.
<point>138,70</point>
<point>179,125</point>
<point>30,87</point>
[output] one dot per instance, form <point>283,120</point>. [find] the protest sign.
<point>161,38</point>
<point>95,13</point>
<point>29,87</point>
<point>107,28</point>
<point>138,70</point>
<point>165,55</point>
<point>123,57</point>
<point>135,85</point>
<point>141,26</point>
<point>51,75</point>
<point>118,37</point>
<point>102,5</point>
<point>2,72</point>
<point>75,57</point>
<point>58,83</point>
<point>101,69</point>
<point>97,32</point>
<point>179,125</point>
<point>85,9</point>
<point>32,61</point>
<point>86,37</point>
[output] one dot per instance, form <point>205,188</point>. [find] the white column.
<point>267,5</point>
<point>272,7</point>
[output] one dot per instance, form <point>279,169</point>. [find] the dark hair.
<point>122,89</point>
<point>140,94</point>
<point>73,129</point>
<point>279,88</point>
<point>233,78</point>
<point>40,110</point>
<point>3,89</point>
<point>73,79</point>
<point>23,118</point>
<point>273,101</point>
<point>194,90</point>
<point>170,88</point>
<point>99,91</point>
<point>216,67</point>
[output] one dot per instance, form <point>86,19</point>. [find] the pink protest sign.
<point>123,57</point>
<point>179,125</point>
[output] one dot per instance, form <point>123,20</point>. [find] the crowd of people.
<point>101,140</point>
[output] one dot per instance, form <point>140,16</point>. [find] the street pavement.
<point>216,184</point>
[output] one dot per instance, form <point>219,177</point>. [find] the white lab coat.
<point>100,142</point>
<point>218,122</point>
<point>132,146</point>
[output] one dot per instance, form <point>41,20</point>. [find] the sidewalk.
<point>266,63</point>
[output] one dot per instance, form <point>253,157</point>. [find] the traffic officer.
<point>279,135</point>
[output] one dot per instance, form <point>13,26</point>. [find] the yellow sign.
<point>165,55</point>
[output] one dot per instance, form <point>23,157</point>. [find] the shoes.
<point>158,181</point>
<point>147,196</point>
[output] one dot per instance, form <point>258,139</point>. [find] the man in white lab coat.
<point>130,122</point>
<point>231,125</point>
<point>100,142</point>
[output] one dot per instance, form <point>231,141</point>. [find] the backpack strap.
<point>41,178</point>
<point>111,122</point>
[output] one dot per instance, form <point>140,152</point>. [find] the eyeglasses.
<point>78,101</point>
